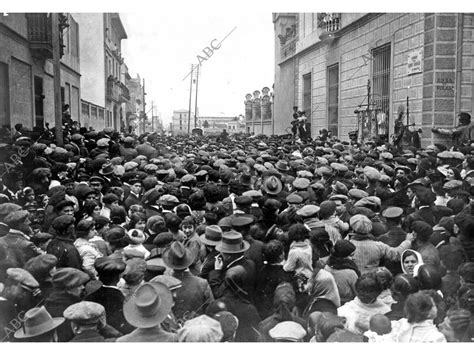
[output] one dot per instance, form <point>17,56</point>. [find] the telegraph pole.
<point>190,98</point>
<point>58,110</point>
<point>196,101</point>
<point>152,118</point>
<point>144,106</point>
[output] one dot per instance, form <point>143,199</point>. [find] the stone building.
<point>327,64</point>
<point>102,83</point>
<point>179,122</point>
<point>26,69</point>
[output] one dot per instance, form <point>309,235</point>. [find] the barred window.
<point>381,78</point>
<point>333,99</point>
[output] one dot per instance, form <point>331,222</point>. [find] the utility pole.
<point>196,101</point>
<point>152,118</point>
<point>190,98</point>
<point>58,110</point>
<point>144,106</point>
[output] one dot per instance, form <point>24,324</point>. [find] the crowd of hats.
<point>239,183</point>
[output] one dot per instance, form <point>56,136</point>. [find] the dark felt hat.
<point>177,256</point>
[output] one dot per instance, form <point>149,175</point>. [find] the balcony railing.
<point>330,24</point>
<point>124,93</point>
<point>113,89</point>
<point>40,34</point>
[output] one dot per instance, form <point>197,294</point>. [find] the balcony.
<point>113,89</point>
<point>330,24</point>
<point>124,93</point>
<point>40,35</point>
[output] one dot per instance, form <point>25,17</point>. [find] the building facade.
<point>216,124</point>
<point>259,112</point>
<point>179,122</point>
<point>26,69</point>
<point>363,71</point>
<point>102,94</point>
<point>135,107</point>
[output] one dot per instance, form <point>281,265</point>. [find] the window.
<point>93,112</point>
<point>101,113</point>
<point>381,78</point>
<point>39,97</point>
<point>333,99</point>
<point>85,109</point>
<point>307,95</point>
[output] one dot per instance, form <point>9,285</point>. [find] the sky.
<point>162,45</point>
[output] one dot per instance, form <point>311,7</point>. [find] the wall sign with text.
<point>415,62</point>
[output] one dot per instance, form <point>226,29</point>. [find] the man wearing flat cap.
<point>108,294</point>
<point>16,247</point>
<point>394,236</point>
<point>68,288</point>
<point>86,319</point>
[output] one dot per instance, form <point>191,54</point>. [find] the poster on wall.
<point>415,62</point>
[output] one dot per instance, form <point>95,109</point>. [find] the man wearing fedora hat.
<point>194,294</point>
<point>211,237</point>
<point>38,326</point>
<point>232,248</point>
<point>146,310</point>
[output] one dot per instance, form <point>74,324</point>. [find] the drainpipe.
<point>459,39</point>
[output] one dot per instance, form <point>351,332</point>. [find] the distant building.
<point>103,87</point>
<point>216,124</point>
<point>179,123</point>
<point>26,69</point>
<point>135,106</point>
<point>326,63</point>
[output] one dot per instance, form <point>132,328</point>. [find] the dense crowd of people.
<point>151,238</point>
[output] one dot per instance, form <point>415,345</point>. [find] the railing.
<point>40,34</point>
<point>329,23</point>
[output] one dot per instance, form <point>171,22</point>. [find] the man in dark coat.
<point>68,287</point>
<point>62,246</point>
<point>270,276</point>
<point>232,248</point>
<point>15,247</point>
<point>394,236</point>
<point>242,223</point>
<point>108,295</point>
<point>194,295</point>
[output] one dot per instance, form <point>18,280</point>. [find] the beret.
<point>243,200</point>
<point>369,201</point>
<point>287,330</point>
<point>241,221</point>
<point>339,167</point>
<point>343,248</point>
<point>85,312</point>
<point>109,266</point>
<point>308,211</point>
<point>16,217</point>
<point>23,277</point>
<point>392,212</point>
<point>294,198</point>
<point>357,193</point>
<point>7,207</point>
<point>63,222</point>
<point>452,184</point>
<point>69,277</point>
<point>360,224</point>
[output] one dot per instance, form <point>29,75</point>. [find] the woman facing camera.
<point>409,260</point>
